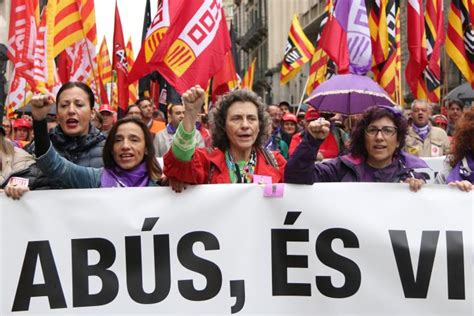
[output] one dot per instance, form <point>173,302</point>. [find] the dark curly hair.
<point>219,116</point>
<point>374,113</point>
<point>152,166</point>
<point>463,138</point>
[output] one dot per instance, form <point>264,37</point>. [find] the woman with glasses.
<point>375,153</point>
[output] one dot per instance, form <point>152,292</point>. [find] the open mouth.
<point>126,157</point>
<point>72,123</point>
<point>245,137</point>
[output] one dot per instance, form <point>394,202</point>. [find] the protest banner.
<point>326,249</point>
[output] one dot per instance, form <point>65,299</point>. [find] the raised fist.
<point>319,128</point>
<point>40,105</point>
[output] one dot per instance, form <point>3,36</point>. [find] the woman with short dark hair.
<point>238,129</point>
<point>75,138</point>
<point>375,153</point>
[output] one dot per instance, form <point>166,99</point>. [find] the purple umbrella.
<point>348,94</point>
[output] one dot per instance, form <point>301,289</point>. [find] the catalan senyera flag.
<point>157,30</point>
<point>73,20</point>
<point>417,47</point>
<point>193,50</point>
<point>383,19</point>
<point>120,64</point>
<point>434,28</point>
<point>133,87</point>
<point>298,51</point>
<point>103,64</point>
<point>460,37</point>
<point>247,81</point>
<point>318,69</point>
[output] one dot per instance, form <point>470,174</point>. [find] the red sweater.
<point>197,170</point>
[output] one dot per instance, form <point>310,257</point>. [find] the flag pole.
<point>445,83</point>
<point>302,96</point>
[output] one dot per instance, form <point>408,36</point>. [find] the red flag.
<point>225,79</point>
<point>334,43</point>
<point>158,28</point>
<point>133,87</point>
<point>416,45</point>
<point>64,64</point>
<point>22,37</point>
<point>119,62</point>
<point>193,50</point>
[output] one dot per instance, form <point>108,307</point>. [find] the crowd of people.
<point>65,143</point>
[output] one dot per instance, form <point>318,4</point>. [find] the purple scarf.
<point>117,177</point>
<point>171,130</point>
<point>422,131</point>
<point>460,172</point>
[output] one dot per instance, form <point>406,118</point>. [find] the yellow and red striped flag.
<point>104,65</point>
<point>298,51</point>
<point>73,20</point>
<point>318,69</point>
<point>132,87</point>
<point>460,39</point>
<point>383,20</point>
<point>247,81</point>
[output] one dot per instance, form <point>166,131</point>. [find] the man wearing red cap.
<point>108,115</point>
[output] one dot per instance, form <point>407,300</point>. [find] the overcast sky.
<point>131,14</point>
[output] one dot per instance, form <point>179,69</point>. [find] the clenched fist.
<point>319,128</point>
<point>40,105</point>
<point>193,99</point>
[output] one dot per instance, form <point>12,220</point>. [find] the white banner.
<point>326,249</point>
<point>436,164</point>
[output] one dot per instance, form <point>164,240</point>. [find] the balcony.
<point>253,36</point>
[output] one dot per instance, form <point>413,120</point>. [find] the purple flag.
<point>352,16</point>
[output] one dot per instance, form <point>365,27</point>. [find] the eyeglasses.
<point>387,131</point>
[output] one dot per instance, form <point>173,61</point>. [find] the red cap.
<point>289,117</point>
<point>311,114</point>
<point>106,108</point>
<point>22,123</point>
<point>440,119</point>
